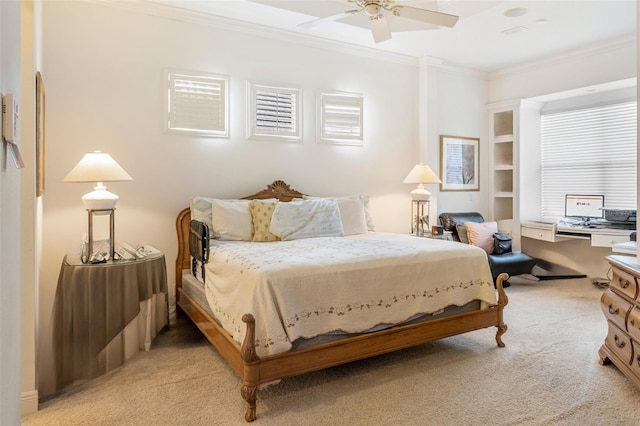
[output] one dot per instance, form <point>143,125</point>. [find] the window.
<point>274,112</point>
<point>589,151</point>
<point>340,118</point>
<point>197,104</point>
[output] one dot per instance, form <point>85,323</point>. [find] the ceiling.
<point>484,38</point>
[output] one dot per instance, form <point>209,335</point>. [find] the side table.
<point>105,313</point>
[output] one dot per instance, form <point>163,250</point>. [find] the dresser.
<point>620,304</point>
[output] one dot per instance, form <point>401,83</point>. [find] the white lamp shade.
<point>421,174</point>
<point>98,167</point>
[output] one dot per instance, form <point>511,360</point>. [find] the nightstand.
<point>105,313</point>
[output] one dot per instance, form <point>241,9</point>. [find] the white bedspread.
<point>308,287</point>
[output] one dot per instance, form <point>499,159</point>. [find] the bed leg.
<point>503,300</point>
<point>251,376</point>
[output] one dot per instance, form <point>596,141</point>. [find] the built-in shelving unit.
<point>503,180</point>
<point>514,128</point>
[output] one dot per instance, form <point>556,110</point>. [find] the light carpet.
<point>548,374</point>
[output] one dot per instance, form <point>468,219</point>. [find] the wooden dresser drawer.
<point>635,362</point>
<point>619,343</point>
<point>615,308</point>
<point>624,283</point>
<point>633,323</point>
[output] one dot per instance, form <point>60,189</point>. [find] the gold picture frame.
<point>40,128</point>
<point>459,163</point>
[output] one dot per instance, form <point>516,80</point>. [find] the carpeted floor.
<point>548,374</point>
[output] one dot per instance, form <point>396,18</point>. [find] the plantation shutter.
<point>274,112</point>
<point>197,104</point>
<point>341,118</point>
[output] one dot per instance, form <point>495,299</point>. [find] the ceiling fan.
<point>375,9</point>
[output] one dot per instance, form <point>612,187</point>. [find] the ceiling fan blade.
<point>379,28</point>
<point>319,21</point>
<point>429,16</point>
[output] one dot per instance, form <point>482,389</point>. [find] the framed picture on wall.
<point>39,135</point>
<point>459,163</point>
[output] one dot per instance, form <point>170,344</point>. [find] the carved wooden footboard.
<point>255,370</point>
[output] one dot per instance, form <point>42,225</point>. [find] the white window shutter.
<point>274,112</point>
<point>589,151</point>
<point>197,104</point>
<point>341,118</point>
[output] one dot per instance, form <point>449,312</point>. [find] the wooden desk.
<point>105,313</point>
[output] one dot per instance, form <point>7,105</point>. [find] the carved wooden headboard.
<point>278,189</point>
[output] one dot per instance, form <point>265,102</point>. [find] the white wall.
<point>10,248</point>
<point>102,69</point>
<point>458,100</point>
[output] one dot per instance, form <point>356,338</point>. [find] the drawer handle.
<point>625,285</point>
<point>632,321</point>
<point>619,343</point>
<point>613,311</point>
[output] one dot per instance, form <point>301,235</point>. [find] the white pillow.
<point>352,213</point>
<point>231,220</point>
<point>307,219</point>
<point>367,212</point>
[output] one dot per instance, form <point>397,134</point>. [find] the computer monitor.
<point>584,206</point>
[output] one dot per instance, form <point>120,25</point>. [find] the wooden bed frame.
<point>255,371</point>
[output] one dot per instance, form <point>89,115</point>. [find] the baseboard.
<point>29,402</point>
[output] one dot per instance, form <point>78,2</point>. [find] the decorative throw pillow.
<point>307,219</point>
<point>201,210</point>
<point>261,213</point>
<point>481,234</point>
<point>231,220</point>
<point>462,233</point>
<point>352,213</point>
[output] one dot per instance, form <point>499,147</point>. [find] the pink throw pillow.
<point>481,234</point>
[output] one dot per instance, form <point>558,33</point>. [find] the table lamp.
<point>421,174</point>
<point>98,167</point>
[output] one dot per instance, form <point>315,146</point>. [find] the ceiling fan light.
<point>373,10</point>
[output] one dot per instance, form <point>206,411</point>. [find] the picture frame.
<point>40,132</point>
<point>459,163</point>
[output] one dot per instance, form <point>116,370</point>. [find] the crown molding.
<point>166,11</point>
<point>620,43</point>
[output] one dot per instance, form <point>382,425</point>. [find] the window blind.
<point>589,151</point>
<point>341,118</point>
<point>197,104</point>
<point>274,112</point>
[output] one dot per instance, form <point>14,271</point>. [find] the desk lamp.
<point>98,167</point>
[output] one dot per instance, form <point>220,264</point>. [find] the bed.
<point>292,340</point>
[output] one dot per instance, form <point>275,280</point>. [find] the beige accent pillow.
<point>481,234</point>
<point>261,212</point>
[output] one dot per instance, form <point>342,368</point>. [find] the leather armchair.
<point>514,263</point>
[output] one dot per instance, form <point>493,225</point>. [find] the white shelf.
<point>503,139</point>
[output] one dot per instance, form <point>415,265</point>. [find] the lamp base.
<point>420,193</point>
<point>100,199</point>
